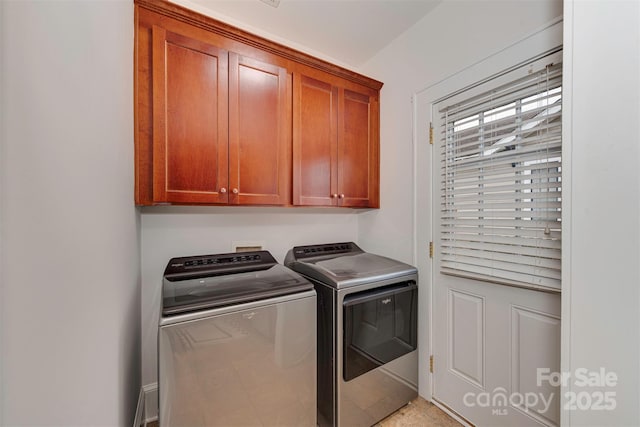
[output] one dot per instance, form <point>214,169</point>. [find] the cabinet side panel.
<point>143,100</point>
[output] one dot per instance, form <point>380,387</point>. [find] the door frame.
<point>543,40</point>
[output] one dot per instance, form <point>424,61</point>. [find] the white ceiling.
<point>350,31</point>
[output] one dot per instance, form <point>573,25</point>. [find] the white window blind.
<point>501,183</point>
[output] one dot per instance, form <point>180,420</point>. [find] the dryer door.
<point>380,325</point>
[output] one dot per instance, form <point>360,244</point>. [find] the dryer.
<point>367,331</point>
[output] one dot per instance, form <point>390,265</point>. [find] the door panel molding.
<point>466,344</point>
<point>535,340</point>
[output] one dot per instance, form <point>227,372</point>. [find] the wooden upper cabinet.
<point>259,132</point>
<point>226,117</point>
<point>190,131</point>
<point>335,145</point>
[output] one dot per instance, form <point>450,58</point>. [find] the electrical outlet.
<point>247,246</point>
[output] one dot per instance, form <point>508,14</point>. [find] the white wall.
<point>70,254</point>
<point>601,310</point>
<point>169,232</point>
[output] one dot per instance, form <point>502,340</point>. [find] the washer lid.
<point>349,268</point>
<point>228,279</point>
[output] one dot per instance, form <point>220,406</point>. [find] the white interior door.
<point>496,292</point>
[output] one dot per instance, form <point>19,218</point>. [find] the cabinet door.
<point>190,120</point>
<point>259,132</point>
<point>315,138</point>
<point>358,149</point>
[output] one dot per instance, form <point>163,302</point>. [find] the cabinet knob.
<point>333,196</point>
<point>341,196</point>
<point>223,190</point>
<point>234,191</point>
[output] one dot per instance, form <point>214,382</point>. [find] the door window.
<point>501,168</point>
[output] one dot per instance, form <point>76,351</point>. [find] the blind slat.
<point>518,186</point>
<point>512,242</point>
<point>491,197</point>
<point>478,165</point>
<point>536,261</point>
<point>517,280</point>
<point>489,232</point>
<point>495,264</point>
<point>496,247</point>
<point>502,169</point>
<point>488,134</point>
<point>467,222</point>
<point>491,207</point>
<point>525,152</point>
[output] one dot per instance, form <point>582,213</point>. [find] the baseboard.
<point>150,402</point>
<point>139,419</point>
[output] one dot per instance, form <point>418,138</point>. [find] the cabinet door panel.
<point>315,142</point>
<point>259,132</point>
<point>190,142</point>
<point>357,151</point>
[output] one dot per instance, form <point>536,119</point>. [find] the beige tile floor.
<point>418,413</point>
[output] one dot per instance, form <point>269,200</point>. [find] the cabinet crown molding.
<point>210,24</point>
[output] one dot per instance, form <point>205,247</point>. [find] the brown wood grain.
<point>315,142</point>
<point>335,145</point>
<point>357,156</point>
<point>258,127</point>
<point>143,120</point>
<point>190,125</point>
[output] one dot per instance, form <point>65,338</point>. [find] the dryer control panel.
<point>301,252</point>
